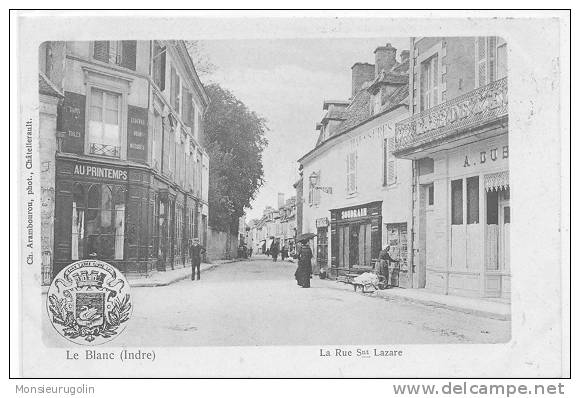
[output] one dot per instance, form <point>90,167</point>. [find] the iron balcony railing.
<point>475,108</point>
<point>105,150</point>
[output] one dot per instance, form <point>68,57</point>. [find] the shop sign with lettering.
<point>110,173</point>
<point>137,133</point>
<point>71,123</point>
<point>487,156</point>
<point>322,222</point>
<point>353,213</point>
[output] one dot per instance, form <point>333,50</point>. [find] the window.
<point>187,112</point>
<point>473,200</point>
<point>157,144</point>
<point>122,53</point>
<point>457,202</point>
<point>98,227</point>
<point>429,83</point>
<point>159,65</point>
<point>175,90</point>
<point>313,193</point>
<point>199,175</point>
<point>104,123</point>
<point>351,160</point>
<point>430,194</point>
<point>491,59</point>
<point>502,61</point>
<point>389,165</point>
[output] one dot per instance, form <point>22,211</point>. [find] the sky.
<point>286,82</point>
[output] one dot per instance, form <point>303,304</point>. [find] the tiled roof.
<point>357,112</point>
<point>45,86</point>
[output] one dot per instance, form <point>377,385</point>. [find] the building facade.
<point>130,169</point>
<point>457,138</point>
<point>356,193</point>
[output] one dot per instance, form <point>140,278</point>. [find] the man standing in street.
<point>195,252</point>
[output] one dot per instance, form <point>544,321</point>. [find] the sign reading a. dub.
<point>111,173</point>
<point>89,302</point>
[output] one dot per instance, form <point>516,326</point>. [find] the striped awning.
<point>497,181</point>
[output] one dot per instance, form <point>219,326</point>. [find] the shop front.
<point>355,237</point>
<point>125,215</point>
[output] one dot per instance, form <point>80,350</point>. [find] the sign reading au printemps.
<point>111,173</point>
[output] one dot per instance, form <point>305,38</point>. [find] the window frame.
<point>118,62</point>
<point>351,172</point>
<point>90,85</point>
<point>435,50</point>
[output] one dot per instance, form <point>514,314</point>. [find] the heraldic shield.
<point>89,302</point>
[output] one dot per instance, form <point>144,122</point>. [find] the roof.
<point>45,86</point>
<point>327,103</point>
<point>358,113</point>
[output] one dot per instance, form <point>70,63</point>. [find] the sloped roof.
<point>45,86</point>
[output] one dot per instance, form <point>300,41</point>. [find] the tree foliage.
<point>235,139</point>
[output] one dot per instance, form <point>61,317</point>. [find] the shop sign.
<point>488,156</point>
<point>322,222</point>
<point>353,213</point>
<point>71,123</point>
<point>110,173</point>
<point>484,104</point>
<point>137,135</point>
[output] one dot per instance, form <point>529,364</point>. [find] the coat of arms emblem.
<point>89,302</point>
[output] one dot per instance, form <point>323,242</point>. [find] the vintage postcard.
<point>296,194</point>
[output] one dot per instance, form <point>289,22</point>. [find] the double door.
<point>354,245</point>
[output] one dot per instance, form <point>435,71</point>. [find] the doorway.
<point>498,222</point>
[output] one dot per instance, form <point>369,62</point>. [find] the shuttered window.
<point>351,160</point>
<point>429,84</point>
<point>159,65</point>
<point>101,51</point>
<point>175,90</point>
<point>389,165</point>
<point>481,61</point>
<point>187,111</point>
<point>122,53</point>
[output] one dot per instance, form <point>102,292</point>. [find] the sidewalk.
<point>164,278</point>
<point>468,305</point>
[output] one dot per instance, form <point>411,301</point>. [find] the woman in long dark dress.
<point>304,265</point>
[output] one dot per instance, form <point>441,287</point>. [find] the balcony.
<point>457,121</point>
<point>105,150</point>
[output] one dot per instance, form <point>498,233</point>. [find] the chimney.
<point>361,73</point>
<point>385,58</point>
<point>280,200</point>
<point>404,56</point>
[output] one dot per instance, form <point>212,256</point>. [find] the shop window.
<point>157,142</point>
<point>492,208</point>
<point>98,229</point>
<point>78,222</point>
<point>351,164</point>
<point>430,195</point>
<point>104,123</point>
<point>457,202</point>
<point>122,53</point>
<point>429,84</point>
<point>159,62</point>
<point>473,200</point>
<point>389,165</point>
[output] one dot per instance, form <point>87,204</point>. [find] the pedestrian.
<point>274,250</point>
<point>250,250</point>
<point>304,270</point>
<point>385,261</point>
<point>195,252</point>
<point>284,252</point>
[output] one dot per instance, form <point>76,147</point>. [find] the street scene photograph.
<point>260,192</point>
